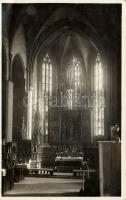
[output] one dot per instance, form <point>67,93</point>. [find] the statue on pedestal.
<point>115,133</point>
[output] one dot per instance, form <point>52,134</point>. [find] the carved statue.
<point>115,133</point>
<point>71,131</point>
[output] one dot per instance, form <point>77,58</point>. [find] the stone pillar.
<point>9,111</point>
<point>29,116</point>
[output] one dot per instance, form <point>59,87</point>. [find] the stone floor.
<point>46,186</point>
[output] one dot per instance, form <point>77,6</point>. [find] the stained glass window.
<point>46,92</point>
<point>99,98</point>
<point>74,82</point>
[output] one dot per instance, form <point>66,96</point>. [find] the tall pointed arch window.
<point>46,92</point>
<point>99,98</point>
<point>74,82</point>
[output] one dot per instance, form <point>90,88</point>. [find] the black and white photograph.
<point>61,92</point>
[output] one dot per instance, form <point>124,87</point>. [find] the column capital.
<point>30,88</point>
<point>10,82</point>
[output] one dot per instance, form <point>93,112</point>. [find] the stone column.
<point>29,116</point>
<point>9,111</point>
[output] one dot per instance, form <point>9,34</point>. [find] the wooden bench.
<point>45,171</point>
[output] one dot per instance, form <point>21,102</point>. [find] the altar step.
<point>56,175</point>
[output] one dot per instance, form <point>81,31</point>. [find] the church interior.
<point>61,99</point>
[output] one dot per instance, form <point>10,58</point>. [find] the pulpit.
<point>110,168</point>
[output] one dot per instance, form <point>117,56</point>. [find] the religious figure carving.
<point>71,131</point>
